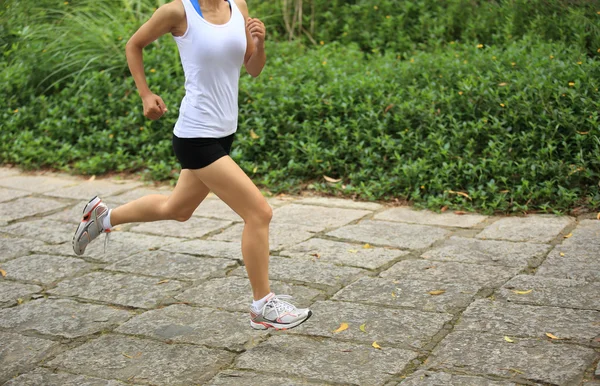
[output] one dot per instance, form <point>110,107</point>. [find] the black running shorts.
<point>197,153</point>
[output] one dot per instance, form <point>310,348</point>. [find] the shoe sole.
<point>278,326</point>
<point>87,211</point>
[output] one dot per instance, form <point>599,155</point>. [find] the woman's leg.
<point>180,205</point>
<point>229,182</point>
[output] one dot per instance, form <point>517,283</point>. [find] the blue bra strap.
<point>196,5</point>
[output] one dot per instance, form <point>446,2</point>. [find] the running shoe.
<point>90,226</point>
<point>278,314</point>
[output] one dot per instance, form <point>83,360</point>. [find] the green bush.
<point>408,25</point>
<point>513,128</point>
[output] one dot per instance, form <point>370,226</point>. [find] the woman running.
<point>215,38</point>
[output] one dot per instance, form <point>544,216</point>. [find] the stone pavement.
<point>428,299</point>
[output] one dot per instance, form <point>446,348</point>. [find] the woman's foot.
<point>278,314</point>
<point>91,225</point>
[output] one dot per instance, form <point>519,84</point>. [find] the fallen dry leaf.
<point>506,338</point>
<point>375,345</point>
<point>3,273</point>
<point>388,108</point>
<point>598,216</point>
<point>92,178</point>
<point>19,301</point>
<point>460,213</point>
<point>126,355</point>
<point>332,180</point>
<point>522,292</point>
<point>436,292</point>
<point>502,84</point>
<point>463,194</point>
<point>163,281</point>
<point>583,132</point>
<point>393,294</point>
<point>363,327</point>
<point>367,246</point>
<point>253,135</point>
<point>568,236</point>
<point>318,256</point>
<point>444,208</point>
<point>562,254</point>
<point>342,327</point>
<point>552,336</point>
<point>352,250</point>
<point>430,267</point>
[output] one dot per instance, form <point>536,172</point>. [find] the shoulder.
<point>242,6</point>
<point>173,10</point>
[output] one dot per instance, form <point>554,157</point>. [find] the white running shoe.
<point>90,226</point>
<point>278,314</point>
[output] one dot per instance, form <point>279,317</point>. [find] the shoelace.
<point>106,240</point>
<point>279,305</point>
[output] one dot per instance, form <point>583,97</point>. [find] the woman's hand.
<point>154,107</point>
<point>257,31</point>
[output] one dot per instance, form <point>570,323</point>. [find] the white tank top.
<point>212,56</point>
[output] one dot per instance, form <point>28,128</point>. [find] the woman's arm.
<point>255,58</point>
<point>163,21</point>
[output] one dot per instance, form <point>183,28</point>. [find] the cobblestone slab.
<point>317,217</point>
<point>193,228</point>
<point>85,191</point>
<point>325,359</point>
<point>27,207</point>
<point>429,378</point>
<point>120,246</point>
<point>488,252</point>
<point>11,291</point>
<point>248,378</point>
<point>184,324</point>
<point>410,294</point>
<point>169,265</point>
<point>45,377</point>
<point>7,172</point>
<point>143,361</point>
<point>331,202</point>
<point>387,327</point>
<point>425,217</point>
<point>343,253</point>
<point>19,353</point>
<point>209,248</point>
<point>11,194</point>
<point>61,318</point>
<point>280,235</point>
<point>44,269</point>
<point>235,294</point>
<point>572,262</point>
<point>392,234</point>
<point>320,275</point>
<point>536,229</point>
<point>502,318</point>
<point>215,208</point>
<point>12,247</point>
<point>53,232</point>
<point>451,272</point>
<point>585,235</point>
<point>531,359</point>
<point>36,184</point>
<point>121,289</point>
<point>552,292</point>
<point>134,194</point>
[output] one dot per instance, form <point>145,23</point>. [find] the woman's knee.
<point>177,214</point>
<point>262,215</point>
